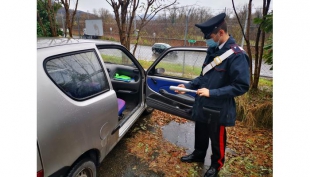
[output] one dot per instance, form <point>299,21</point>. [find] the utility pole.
<point>135,26</point>
<point>245,26</point>
<point>173,16</point>
<point>78,20</point>
<point>186,26</point>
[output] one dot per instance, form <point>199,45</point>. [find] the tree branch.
<point>238,19</point>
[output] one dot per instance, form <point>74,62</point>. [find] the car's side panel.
<point>68,128</point>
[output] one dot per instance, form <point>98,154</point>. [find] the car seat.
<point>121,106</point>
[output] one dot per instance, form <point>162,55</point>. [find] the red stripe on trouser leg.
<point>222,146</point>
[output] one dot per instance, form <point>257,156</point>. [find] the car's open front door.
<point>172,70</point>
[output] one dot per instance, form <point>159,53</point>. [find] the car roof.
<point>58,41</point>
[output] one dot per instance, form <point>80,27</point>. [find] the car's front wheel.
<point>154,51</point>
<point>84,168</point>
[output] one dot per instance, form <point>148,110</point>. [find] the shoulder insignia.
<point>235,48</point>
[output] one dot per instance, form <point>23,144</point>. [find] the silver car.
<point>90,93</point>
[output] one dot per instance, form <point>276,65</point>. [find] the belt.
<point>218,60</point>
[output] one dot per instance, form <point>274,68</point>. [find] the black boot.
<point>212,172</point>
<point>194,157</point>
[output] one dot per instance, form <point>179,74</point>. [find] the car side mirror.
<point>159,71</point>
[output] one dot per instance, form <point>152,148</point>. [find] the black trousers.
<point>217,134</point>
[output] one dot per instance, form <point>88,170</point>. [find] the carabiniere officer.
<point>225,75</point>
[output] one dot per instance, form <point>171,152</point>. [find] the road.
<point>145,53</point>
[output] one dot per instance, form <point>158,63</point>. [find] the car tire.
<point>84,168</point>
<point>154,52</point>
<point>148,110</point>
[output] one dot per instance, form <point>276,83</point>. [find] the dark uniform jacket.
<point>225,81</point>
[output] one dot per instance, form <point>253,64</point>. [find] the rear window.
<point>80,76</point>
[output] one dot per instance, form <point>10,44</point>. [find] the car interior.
<point>126,80</point>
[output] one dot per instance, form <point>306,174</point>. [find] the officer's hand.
<point>203,92</point>
<point>180,85</point>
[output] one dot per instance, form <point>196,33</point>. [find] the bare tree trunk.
<point>148,17</point>
<point>66,6</point>
<point>124,6</point>
<point>124,25</point>
<point>69,21</point>
<point>259,50</point>
<point>51,17</point>
<point>72,18</point>
<point>256,71</point>
<point>246,37</point>
<point>260,59</point>
<point>136,43</point>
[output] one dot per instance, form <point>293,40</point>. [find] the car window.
<point>78,75</point>
<point>182,64</point>
<point>115,56</point>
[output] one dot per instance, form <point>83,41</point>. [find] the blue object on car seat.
<point>121,106</point>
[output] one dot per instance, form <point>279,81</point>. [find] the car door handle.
<point>154,81</point>
<point>135,71</point>
<point>185,99</point>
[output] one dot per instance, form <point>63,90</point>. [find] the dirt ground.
<point>119,163</point>
<point>154,145</point>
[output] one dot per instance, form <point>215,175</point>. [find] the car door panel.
<point>124,86</point>
<point>168,105</point>
<point>158,83</point>
<point>182,98</point>
<point>158,88</point>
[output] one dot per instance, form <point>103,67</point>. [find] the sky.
<point>215,5</point>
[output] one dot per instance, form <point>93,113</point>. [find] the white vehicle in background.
<point>93,29</point>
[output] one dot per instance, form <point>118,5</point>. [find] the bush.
<point>255,108</point>
<point>146,42</point>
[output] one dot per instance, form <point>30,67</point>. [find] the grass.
<point>145,64</point>
<point>112,59</point>
<point>170,68</point>
<point>265,82</point>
